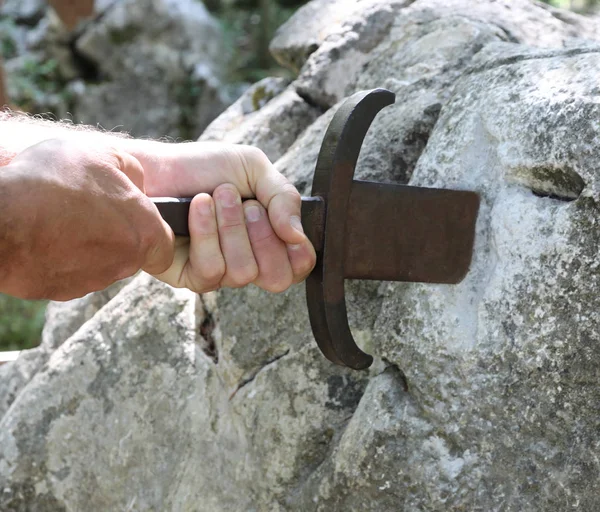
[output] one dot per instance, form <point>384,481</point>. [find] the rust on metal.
<point>367,230</point>
<point>402,233</point>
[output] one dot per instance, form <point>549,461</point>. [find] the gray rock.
<point>483,395</point>
<point>271,125</point>
<point>363,52</point>
<point>153,68</point>
<point>302,34</point>
<point>159,60</point>
<point>252,100</point>
<point>120,370</point>
<point>62,321</point>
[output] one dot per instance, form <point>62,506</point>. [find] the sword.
<point>367,230</point>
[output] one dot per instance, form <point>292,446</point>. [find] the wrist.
<point>155,158</point>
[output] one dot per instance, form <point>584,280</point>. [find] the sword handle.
<point>175,211</point>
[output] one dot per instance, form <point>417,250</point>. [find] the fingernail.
<point>252,213</point>
<point>227,198</point>
<point>294,247</point>
<point>296,223</point>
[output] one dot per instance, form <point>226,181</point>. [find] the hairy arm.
<point>18,131</point>
<point>74,193</point>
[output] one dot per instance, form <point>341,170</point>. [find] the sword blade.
<point>403,233</point>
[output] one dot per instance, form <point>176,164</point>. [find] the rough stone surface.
<point>264,117</point>
<point>62,320</point>
<point>374,32</point>
<point>296,39</point>
<point>483,395</point>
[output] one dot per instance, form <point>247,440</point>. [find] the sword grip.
<point>175,211</point>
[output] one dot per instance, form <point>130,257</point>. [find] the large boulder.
<point>483,394</point>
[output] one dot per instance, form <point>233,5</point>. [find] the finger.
<point>174,274</point>
<point>131,167</point>
<point>302,259</point>
<point>206,265</point>
<point>158,240</point>
<point>275,193</point>
<point>240,265</point>
<point>275,272</point>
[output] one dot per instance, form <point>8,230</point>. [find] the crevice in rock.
<point>552,196</point>
<point>414,143</point>
<point>514,59</point>
<point>311,102</point>
<point>561,183</point>
<point>510,38</point>
<point>205,331</point>
<point>398,374</point>
<point>250,378</point>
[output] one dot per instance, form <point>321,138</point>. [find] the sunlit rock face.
<point>483,395</point>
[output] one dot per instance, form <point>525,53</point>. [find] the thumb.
<point>160,248</point>
<point>131,167</point>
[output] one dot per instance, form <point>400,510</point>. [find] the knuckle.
<point>289,189</point>
<point>254,155</point>
<point>118,159</point>
<point>151,248</point>
<point>213,273</point>
<point>278,286</point>
<point>304,267</point>
<point>254,160</point>
<point>243,276</point>
<point>232,226</point>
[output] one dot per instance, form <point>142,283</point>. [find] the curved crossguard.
<point>367,230</point>
<point>332,182</point>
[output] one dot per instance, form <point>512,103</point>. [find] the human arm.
<point>224,250</point>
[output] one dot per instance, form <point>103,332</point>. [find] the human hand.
<point>232,244</point>
<point>74,219</point>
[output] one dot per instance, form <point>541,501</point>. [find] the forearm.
<point>19,131</point>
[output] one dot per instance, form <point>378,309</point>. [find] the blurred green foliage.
<point>21,323</point>
<point>249,26</point>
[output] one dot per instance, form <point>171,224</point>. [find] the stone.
<point>302,34</point>
<point>161,58</point>
<point>62,320</point>
<point>344,61</point>
<point>153,68</point>
<point>265,118</point>
<point>482,395</point>
<point>252,100</point>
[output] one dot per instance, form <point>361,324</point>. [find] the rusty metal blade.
<point>401,233</point>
